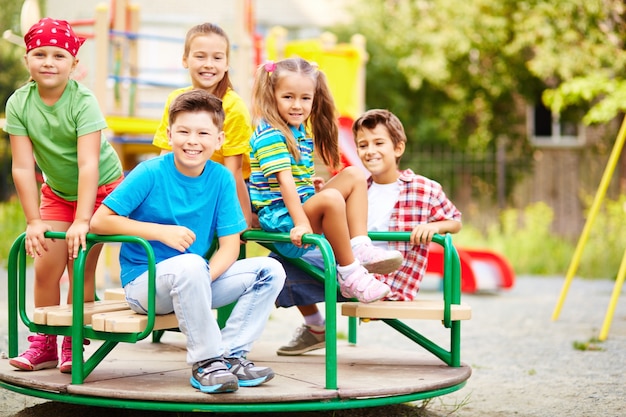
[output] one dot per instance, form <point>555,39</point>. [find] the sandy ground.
<point>524,364</point>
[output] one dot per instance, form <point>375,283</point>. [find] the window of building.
<point>549,130</point>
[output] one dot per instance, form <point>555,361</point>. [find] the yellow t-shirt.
<point>237,129</point>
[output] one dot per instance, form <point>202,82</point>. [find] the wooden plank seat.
<point>114,294</point>
<point>62,315</point>
<point>128,321</point>
<point>419,309</point>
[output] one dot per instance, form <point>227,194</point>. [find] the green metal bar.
<point>332,404</point>
<point>12,296</point>
<point>95,359</point>
<point>421,340</point>
<point>81,368</point>
<point>451,295</point>
<point>78,301</point>
<point>330,288</point>
<point>22,284</point>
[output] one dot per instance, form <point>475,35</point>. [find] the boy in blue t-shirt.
<point>180,202</point>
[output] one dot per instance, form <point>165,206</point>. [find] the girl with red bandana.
<point>56,123</point>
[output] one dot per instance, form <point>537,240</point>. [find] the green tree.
<point>471,62</point>
<point>577,48</point>
<point>11,56</point>
<point>13,75</point>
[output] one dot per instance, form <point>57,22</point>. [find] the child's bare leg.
<point>308,309</point>
<point>49,269</point>
<point>352,184</point>
<point>89,275</point>
<point>326,211</point>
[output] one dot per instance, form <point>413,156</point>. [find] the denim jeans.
<point>184,286</point>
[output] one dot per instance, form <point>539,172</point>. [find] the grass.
<point>592,344</point>
<point>525,239</point>
<point>13,224</point>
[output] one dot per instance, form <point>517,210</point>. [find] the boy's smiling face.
<point>378,154</point>
<point>194,137</point>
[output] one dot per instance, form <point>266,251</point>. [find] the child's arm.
<point>423,233</point>
<point>23,172</point>
<point>234,164</point>
<point>225,256</point>
<point>294,206</point>
<point>107,222</point>
<point>88,176</point>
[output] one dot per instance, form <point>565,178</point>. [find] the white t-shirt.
<point>381,199</point>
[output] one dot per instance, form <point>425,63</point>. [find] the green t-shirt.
<point>54,132</point>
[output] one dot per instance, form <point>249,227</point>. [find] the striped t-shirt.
<point>270,155</point>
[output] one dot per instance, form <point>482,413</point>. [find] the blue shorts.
<point>276,218</point>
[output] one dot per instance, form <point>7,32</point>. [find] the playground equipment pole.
<point>593,211</point>
<point>617,289</point>
<point>101,38</point>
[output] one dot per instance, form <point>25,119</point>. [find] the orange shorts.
<point>56,208</point>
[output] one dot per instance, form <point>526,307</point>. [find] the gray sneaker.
<point>248,374</point>
<point>305,339</point>
<point>213,376</point>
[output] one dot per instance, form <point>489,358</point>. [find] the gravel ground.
<point>524,364</point>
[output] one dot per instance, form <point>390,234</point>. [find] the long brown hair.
<point>323,118</point>
<point>206,29</point>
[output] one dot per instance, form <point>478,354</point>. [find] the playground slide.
<point>481,269</point>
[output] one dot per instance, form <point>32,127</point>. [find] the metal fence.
<point>482,184</point>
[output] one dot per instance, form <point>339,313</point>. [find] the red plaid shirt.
<point>421,200</point>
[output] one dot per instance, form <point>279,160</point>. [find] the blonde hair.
<point>205,29</point>
<point>323,118</point>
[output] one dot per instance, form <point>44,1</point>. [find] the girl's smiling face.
<point>294,94</point>
<point>207,61</point>
<point>50,66</point>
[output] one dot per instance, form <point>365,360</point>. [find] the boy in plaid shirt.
<point>398,201</point>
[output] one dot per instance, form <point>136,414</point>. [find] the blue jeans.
<point>184,286</point>
<point>301,288</point>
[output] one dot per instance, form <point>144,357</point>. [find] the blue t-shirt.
<point>156,192</point>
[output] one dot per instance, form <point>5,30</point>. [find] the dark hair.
<point>194,101</point>
<point>206,29</point>
<point>372,118</point>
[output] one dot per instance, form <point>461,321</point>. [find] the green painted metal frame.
<point>326,404</point>
<point>451,295</point>
<point>83,367</point>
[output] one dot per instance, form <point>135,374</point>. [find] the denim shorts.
<point>300,288</point>
<point>276,218</point>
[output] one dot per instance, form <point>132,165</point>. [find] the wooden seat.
<point>127,321</point>
<point>420,310</point>
<point>62,315</point>
<point>114,294</point>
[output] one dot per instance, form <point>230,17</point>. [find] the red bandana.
<point>52,32</point>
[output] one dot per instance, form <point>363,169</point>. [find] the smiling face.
<point>50,67</point>
<point>378,154</point>
<point>294,94</point>
<point>193,138</point>
<point>207,61</point>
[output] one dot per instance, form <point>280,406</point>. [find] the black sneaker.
<point>248,374</point>
<point>213,376</point>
